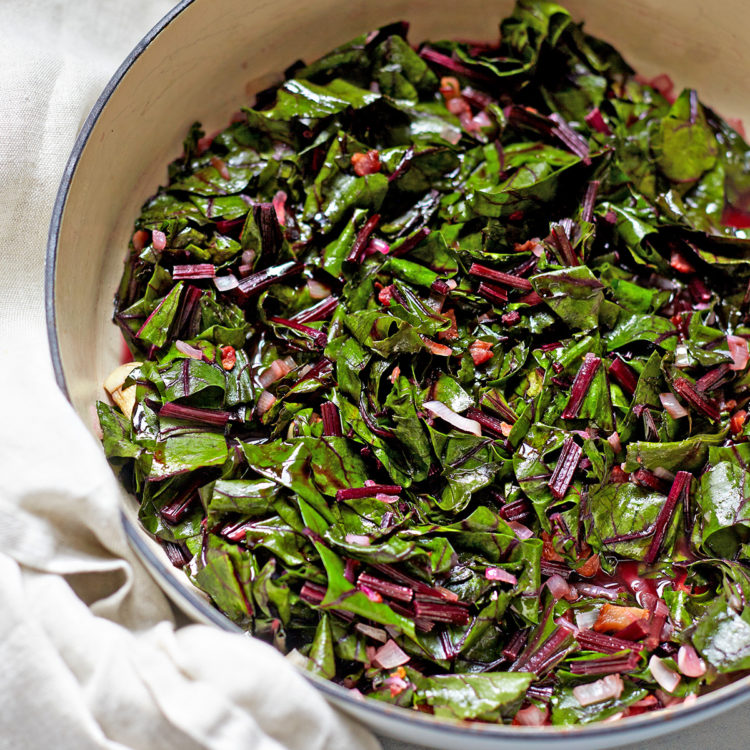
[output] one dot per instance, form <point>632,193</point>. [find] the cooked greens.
<point>440,376</point>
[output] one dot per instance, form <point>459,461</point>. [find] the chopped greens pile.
<point>440,371</point>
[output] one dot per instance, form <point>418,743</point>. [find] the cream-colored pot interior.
<point>203,63</point>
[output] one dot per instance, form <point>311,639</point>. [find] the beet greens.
<point>404,335</point>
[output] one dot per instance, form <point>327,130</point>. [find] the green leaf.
<point>685,146</point>
<point>488,696</point>
<point>574,294</point>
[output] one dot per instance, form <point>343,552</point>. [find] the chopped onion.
<point>317,290</point>
<point>481,120</point>
<point>738,351</point>
<point>439,409</point>
<point>265,401</point>
<point>377,634</point>
<point>614,442</point>
<point>247,257</point>
<point>608,687</point>
<point>360,539</point>
<point>558,586</point>
<point>663,474</point>
<point>190,351</point>
<point>498,574</point>
<point>385,498</point>
<point>667,678</point>
<point>277,370</point>
<point>531,716</point>
<point>681,356</point>
<point>452,135</point>
<point>225,283</point>
<point>672,406</point>
<point>390,656</point>
<point>689,663</point>
<point>521,531</point>
<point>377,246</point>
<point>585,619</point>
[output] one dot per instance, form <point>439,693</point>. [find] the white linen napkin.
<point>90,653</point>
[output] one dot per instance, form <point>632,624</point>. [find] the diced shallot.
<point>531,716</point>
<point>689,663</point>
<point>190,351</point>
<point>672,406</point>
<point>558,586</point>
<point>499,574</point>
<point>614,442</point>
<point>317,290</point>
<point>359,539</point>
<point>439,409</point>
<point>666,677</point>
<point>521,531</point>
<point>277,370</point>
<point>738,351</point>
<point>608,687</point>
<point>265,401</point>
<point>390,656</point>
<point>377,634</point>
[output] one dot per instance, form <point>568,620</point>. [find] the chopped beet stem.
<point>649,480</point>
<point>360,241</point>
<point>492,424</point>
<point>177,554</point>
<point>680,486</point>
<point>410,242</point>
<point>624,375</point>
<point>386,588</point>
<point>354,493</point>
<point>454,614</point>
<point>574,141</point>
<point>194,414</point>
<point>508,279</point>
<point>194,271</point>
<point>312,592</point>
<point>581,385</point>
<point>587,209</point>
<point>319,337</point>
<point>713,378</point>
<point>331,419</point>
<point>259,281</point>
<point>178,508</point>
<point>611,665</point>
<point>438,58</point>
<point>562,241</point>
<point>567,463</point>
<point>320,311</point>
<point>515,645</point>
<point>695,399</point>
<point>604,644</point>
<point>493,294</point>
